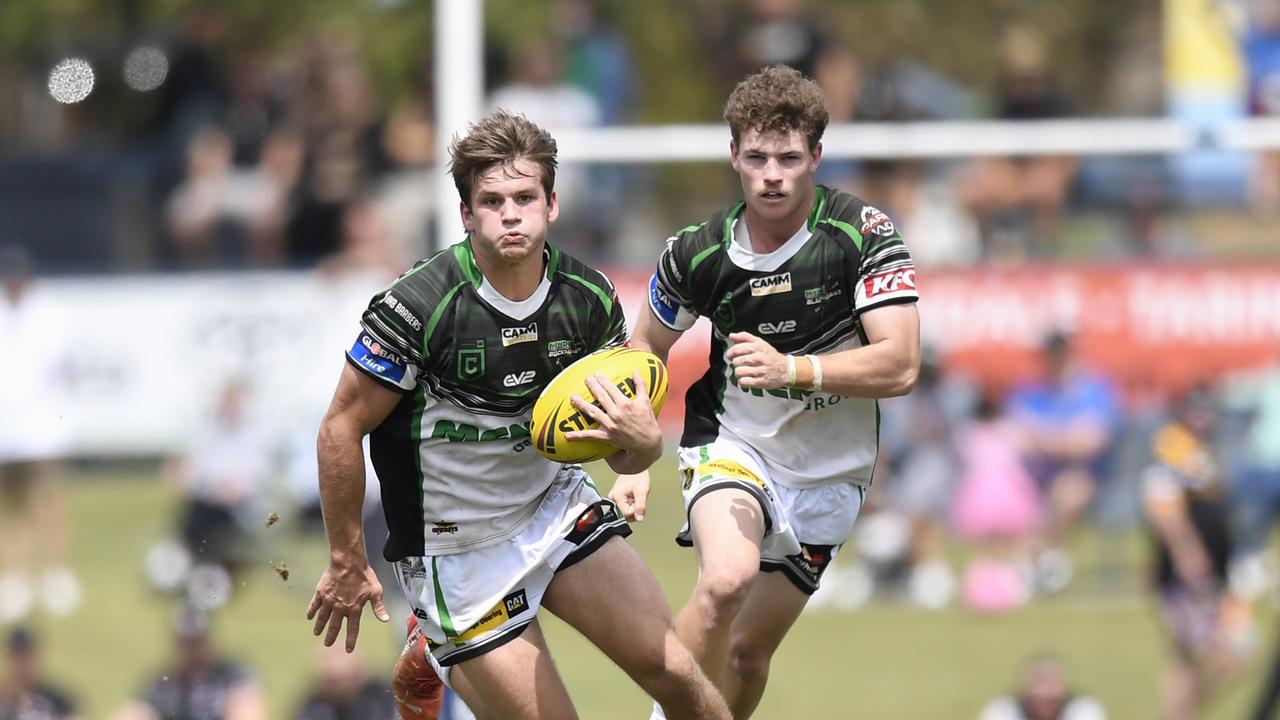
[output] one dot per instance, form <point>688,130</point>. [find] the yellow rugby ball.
<point>554,415</point>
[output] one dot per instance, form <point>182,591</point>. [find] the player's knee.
<point>749,661</point>
<point>724,588</point>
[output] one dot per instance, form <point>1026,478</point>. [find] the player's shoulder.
<point>582,280</point>
<point>707,233</point>
<point>845,214</point>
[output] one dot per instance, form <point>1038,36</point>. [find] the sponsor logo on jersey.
<point>816,296</point>
<point>875,222</point>
<point>519,378</point>
<point>771,284</point>
<point>516,602</point>
<point>516,335</point>
<point>556,348</point>
<point>724,311</point>
<point>663,306</point>
<point>470,359</point>
<point>670,257</point>
<point>465,432</point>
<point>492,620</point>
<point>729,469</point>
<point>890,282</point>
<point>776,328</point>
<point>399,309</point>
<point>444,528</point>
<point>372,356</point>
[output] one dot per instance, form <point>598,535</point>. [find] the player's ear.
<point>468,220</point>
<point>553,207</point>
<point>733,153</point>
<point>817,156</point>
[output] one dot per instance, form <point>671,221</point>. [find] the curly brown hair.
<point>777,98</point>
<point>501,138</point>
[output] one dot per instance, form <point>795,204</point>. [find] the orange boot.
<point>418,691</point>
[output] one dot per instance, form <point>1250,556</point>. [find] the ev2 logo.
<point>519,378</point>
<point>769,328</point>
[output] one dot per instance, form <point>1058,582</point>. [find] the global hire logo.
<point>771,284</point>
<point>516,335</point>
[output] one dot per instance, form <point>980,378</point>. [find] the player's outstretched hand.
<point>631,494</point>
<point>756,363</point>
<point>341,594</point>
<point>627,423</point>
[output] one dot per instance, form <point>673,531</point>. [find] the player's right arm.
<point>359,405</point>
<point>657,329</point>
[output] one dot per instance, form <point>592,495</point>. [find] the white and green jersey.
<point>454,458</point>
<point>806,297</point>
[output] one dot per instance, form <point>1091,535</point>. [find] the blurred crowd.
<point>240,154</point>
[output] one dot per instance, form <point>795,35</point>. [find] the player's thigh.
<point>518,680</point>
<point>771,608</point>
<point>613,599</point>
<point>727,526</point>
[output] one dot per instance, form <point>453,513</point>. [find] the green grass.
<point>882,661</point>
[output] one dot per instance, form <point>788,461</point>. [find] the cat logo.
<point>513,336</point>
<point>519,378</point>
<point>771,285</point>
<point>769,328</point>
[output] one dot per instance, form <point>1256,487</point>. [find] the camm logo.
<point>513,336</point>
<point>771,285</point>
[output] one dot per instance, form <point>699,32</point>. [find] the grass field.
<point>882,662</point>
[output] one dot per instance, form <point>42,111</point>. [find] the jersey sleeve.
<point>388,347</point>
<point>886,274</point>
<point>670,289</point>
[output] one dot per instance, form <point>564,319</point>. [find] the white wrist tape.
<point>817,372</point>
<point>791,369</point>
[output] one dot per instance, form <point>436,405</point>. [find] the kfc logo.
<point>890,282</point>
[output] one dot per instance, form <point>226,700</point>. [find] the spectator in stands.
<point>344,690</point>
<point>598,57</point>
<point>336,114</point>
<point>24,695</point>
<point>34,439</point>
<point>1043,694</point>
<point>219,475</point>
<point>996,506</point>
<point>1255,491</point>
<point>537,90</point>
<point>1018,201</point>
<point>226,214</point>
<point>1261,50</point>
<point>918,444</point>
<point>200,684</point>
<point>1184,496</point>
<point>1070,418</point>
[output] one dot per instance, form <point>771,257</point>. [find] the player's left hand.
<point>756,363</point>
<point>626,423</point>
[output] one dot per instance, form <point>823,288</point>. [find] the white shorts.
<point>803,529</point>
<point>472,602</point>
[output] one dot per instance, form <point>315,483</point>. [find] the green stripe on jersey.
<point>467,261</point>
<point>848,229</point>
<point>446,621</point>
<point>600,293</point>
<point>435,317</point>
<point>819,204</point>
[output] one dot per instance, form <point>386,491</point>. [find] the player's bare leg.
<point>727,526</point>
<point>614,583</point>
<point>771,609</point>
<point>518,681</point>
